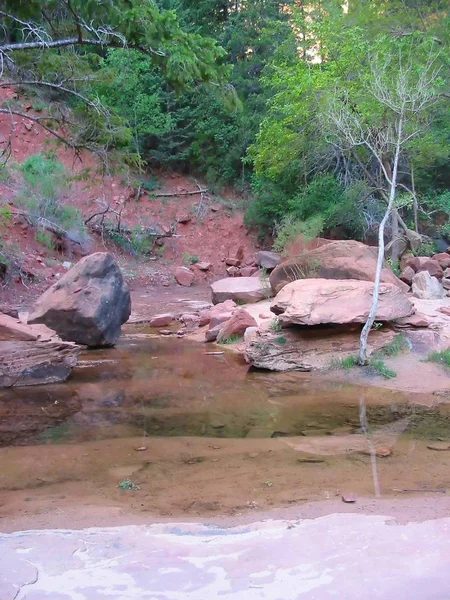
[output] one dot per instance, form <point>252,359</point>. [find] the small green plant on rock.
<point>230,340</point>
<point>127,484</point>
<point>275,324</point>
<point>442,357</point>
<point>190,259</point>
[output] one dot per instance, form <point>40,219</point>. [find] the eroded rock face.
<point>25,363</point>
<point>323,301</point>
<point>88,305</point>
<point>427,287</point>
<point>308,349</point>
<point>343,259</point>
<point>244,290</point>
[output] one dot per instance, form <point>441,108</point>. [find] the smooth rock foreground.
<point>345,556</point>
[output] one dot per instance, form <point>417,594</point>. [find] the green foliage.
<point>232,339</point>
<point>398,345</point>
<point>275,324</point>
<point>45,180</point>
<point>137,242</point>
<point>344,363</point>
<point>190,259</point>
<point>380,367</point>
<point>290,228</point>
<point>44,238</point>
<point>127,484</point>
<point>442,357</point>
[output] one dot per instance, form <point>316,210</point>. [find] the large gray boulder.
<point>267,259</point>
<point>243,290</point>
<point>320,301</point>
<point>88,305</point>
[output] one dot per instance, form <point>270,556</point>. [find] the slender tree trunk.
<point>362,358</point>
<point>415,203</point>
<point>395,237</point>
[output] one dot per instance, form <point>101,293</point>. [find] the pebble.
<point>440,446</point>
<point>349,497</point>
<point>253,454</point>
<point>141,449</point>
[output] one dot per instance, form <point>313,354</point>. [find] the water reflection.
<point>168,388</point>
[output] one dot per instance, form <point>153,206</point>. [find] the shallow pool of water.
<point>196,431</point>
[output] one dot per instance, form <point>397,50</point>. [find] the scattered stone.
<point>250,333</point>
<point>9,311</point>
<point>161,320</point>
<point>310,460</point>
<point>253,454</point>
<point>446,283</point>
<point>248,271</point>
<point>443,259</point>
<point>67,265</point>
<point>433,268</point>
<point>211,334</point>
<point>141,449</point>
<point>237,325</point>
<point>204,266</point>
<point>232,262</point>
<point>223,307</point>
<point>166,332</point>
<point>427,287</point>
<point>414,263</point>
<point>267,259</point>
<point>88,304</point>
<point>349,497</point>
<point>184,219</point>
<point>184,276</point>
<point>233,271</point>
<point>407,275</point>
<point>321,301</point>
<point>190,321</point>
<point>219,319</point>
<point>381,452</point>
<point>445,310</point>
<point>240,253</point>
<point>343,259</point>
<point>439,446</point>
<point>240,289</point>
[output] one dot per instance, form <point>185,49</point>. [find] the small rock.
<point>184,276</point>
<point>349,497</point>
<point>161,320</point>
<point>250,333</point>
<point>141,449</point>
<point>184,219</point>
<point>248,271</point>
<point>234,271</point>
<point>237,325</point>
<point>204,266</point>
<point>165,332</point>
<point>253,454</point>
<point>211,334</point>
<point>232,262</point>
<point>267,259</point>
<point>407,275</point>
<point>67,265</point>
<point>439,446</point>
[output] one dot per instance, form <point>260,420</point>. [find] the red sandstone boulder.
<point>240,289</point>
<point>433,268</point>
<point>443,259</point>
<point>320,301</point>
<point>226,307</point>
<point>184,276</point>
<point>267,259</point>
<point>343,259</point>
<point>237,325</point>
<point>248,271</point>
<point>161,320</point>
<point>407,275</point>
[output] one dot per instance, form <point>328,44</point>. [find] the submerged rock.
<point>323,301</point>
<point>88,305</point>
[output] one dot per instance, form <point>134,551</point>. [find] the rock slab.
<point>88,304</point>
<point>267,259</point>
<point>343,259</point>
<point>326,301</point>
<point>243,290</point>
<point>427,287</point>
